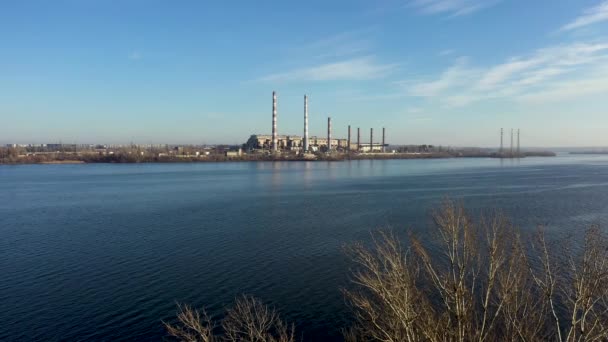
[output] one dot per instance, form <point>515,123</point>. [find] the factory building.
<point>277,143</point>
<point>284,142</point>
<point>294,143</point>
<point>375,147</point>
<point>320,144</point>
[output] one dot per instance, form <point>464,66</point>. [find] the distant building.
<point>376,147</point>
<point>236,153</point>
<point>284,142</point>
<point>294,143</point>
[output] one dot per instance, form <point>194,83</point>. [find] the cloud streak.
<point>338,45</point>
<point>135,56</point>
<point>364,68</point>
<point>456,75</point>
<point>590,16</point>
<point>452,7</point>
<point>520,77</point>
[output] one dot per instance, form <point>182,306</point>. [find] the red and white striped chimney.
<point>305,123</point>
<point>274,122</point>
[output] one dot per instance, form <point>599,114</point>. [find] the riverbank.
<point>62,162</point>
<point>60,158</point>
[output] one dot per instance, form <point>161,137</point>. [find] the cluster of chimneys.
<point>305,138</point>
<point>501,141</point>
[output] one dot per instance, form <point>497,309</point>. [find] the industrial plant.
<point>262,147</point>
<point>511,153</point>
<point>306,145</point>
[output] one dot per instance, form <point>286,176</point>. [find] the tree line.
<point>486,283</point>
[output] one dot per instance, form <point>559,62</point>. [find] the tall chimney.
<point>518,143</point>
<point>511,142</point>
<point>328,134</point>
<point>371,140</point>
<point>305,123</point>
<point>358,139</point>
<point>274,122</point>
<point>348,142</point>
<point>383,137</point>
<point>501,145</point>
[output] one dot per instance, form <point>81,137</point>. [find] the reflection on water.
<point>103,252</point>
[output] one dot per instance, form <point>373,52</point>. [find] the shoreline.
<point>61,162</point>
<point>257,158</point>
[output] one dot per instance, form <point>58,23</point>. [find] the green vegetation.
<point>482,282</point>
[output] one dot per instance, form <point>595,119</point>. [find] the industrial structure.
<point>329,144</point>
<point>514,150</point>
<point>511,141</point>
<point>518,151</point>
<point>276,143</point>
<point>383,137</point>
<point>348,144</point>
<point>501,138</point>
<point>274,122</point>
<point>305,123</point>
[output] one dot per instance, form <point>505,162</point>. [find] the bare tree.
<point>579,291</point>
<point>388,304</point>
<point>248,320</point>
<point>475,282</point>
<point>191,326</point>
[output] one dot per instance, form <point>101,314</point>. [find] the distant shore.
<point>62,162</point>
<point>133,159</point>
<point>590,152</point>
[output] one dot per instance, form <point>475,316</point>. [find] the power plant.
<point>511,141</point>
<point>518,141</point>
<point>348,143</point>
<point>305,123</point>
<point>514,151</point>
<point>274,122</point>
<point>501,138</point>
<point>328,133</point>
<point>305,144</point>
<point>383,137</point>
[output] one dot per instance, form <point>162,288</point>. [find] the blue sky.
<point>450,72</point>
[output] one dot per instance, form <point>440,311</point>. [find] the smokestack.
<point>328,134</point>
<point>371,140</point>
<point>518,143</point>
<point>274,122</point>
<point>501,138</point>
<point>511,142</point>
<point>383,137</point>
<point>305,123</point>
<point>358,139</point>
<point>348,142</point>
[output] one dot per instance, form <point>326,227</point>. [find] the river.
<point>104,251</point>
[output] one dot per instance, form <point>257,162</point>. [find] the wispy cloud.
<point>456,75</point>
<point>590,16</point>
<point>364,68</point>
<point>595,84</point>
<point>452,7</point>
<point>338,45</point>
<point>518,78</point>
<point>135,56</point>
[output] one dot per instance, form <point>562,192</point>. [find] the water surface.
<point>104,251</point>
